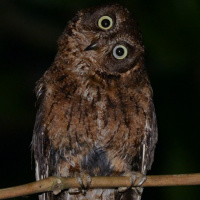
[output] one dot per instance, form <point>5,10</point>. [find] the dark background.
<point>171,31</point>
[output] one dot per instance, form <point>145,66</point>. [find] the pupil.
<point>105,23</point>
<point>120,51</point>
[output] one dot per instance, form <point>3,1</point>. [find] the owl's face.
<point>112,41</point>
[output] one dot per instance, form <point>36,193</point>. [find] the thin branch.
<point>56,184</point>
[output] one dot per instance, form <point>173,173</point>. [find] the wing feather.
<point>39,139</point>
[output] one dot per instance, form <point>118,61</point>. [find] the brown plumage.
<point>95,110</point>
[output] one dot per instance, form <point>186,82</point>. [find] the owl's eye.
<point>105,22</point>
<point>120,52</point>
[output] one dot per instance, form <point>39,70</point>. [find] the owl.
<point>95,109</point>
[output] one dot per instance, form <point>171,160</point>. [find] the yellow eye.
<point>120,52</point>
<point>105,22</point>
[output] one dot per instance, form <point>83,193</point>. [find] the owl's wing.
<point>40,142</point>
<point>145,156</point>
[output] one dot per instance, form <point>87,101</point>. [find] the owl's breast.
<point>110,122</point>
<point>116,121</point>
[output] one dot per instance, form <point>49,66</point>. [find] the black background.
<point>171,31</point>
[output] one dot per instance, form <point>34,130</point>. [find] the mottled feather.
<point>95,112</point>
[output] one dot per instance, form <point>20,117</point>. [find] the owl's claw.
<point>133,177</point>
<point>84,180</point>
<point>74,190</point>
<point>142,179</point>
<point>138,190</point>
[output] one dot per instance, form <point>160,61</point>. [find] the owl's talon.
<point>133,177</point>
<point>74,190</point>
<point>56,192</point>
<point>138,190</point>
<point>84,181</point>
<point>142,179</point>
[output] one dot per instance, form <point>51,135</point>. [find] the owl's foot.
<point>134,186</point>
<point>84,180</point>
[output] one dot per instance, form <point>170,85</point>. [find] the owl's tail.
<point>129,195</point>
<point>96,194</point>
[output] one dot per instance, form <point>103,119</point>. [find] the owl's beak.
<point>92,46</point>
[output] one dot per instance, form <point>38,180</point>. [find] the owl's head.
<point>108,38</point>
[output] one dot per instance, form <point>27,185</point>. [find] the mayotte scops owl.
<point>95,109</point>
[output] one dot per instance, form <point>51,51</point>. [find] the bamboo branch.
<point>56,184</point>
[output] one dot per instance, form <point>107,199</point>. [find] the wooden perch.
<point>57,184</point>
